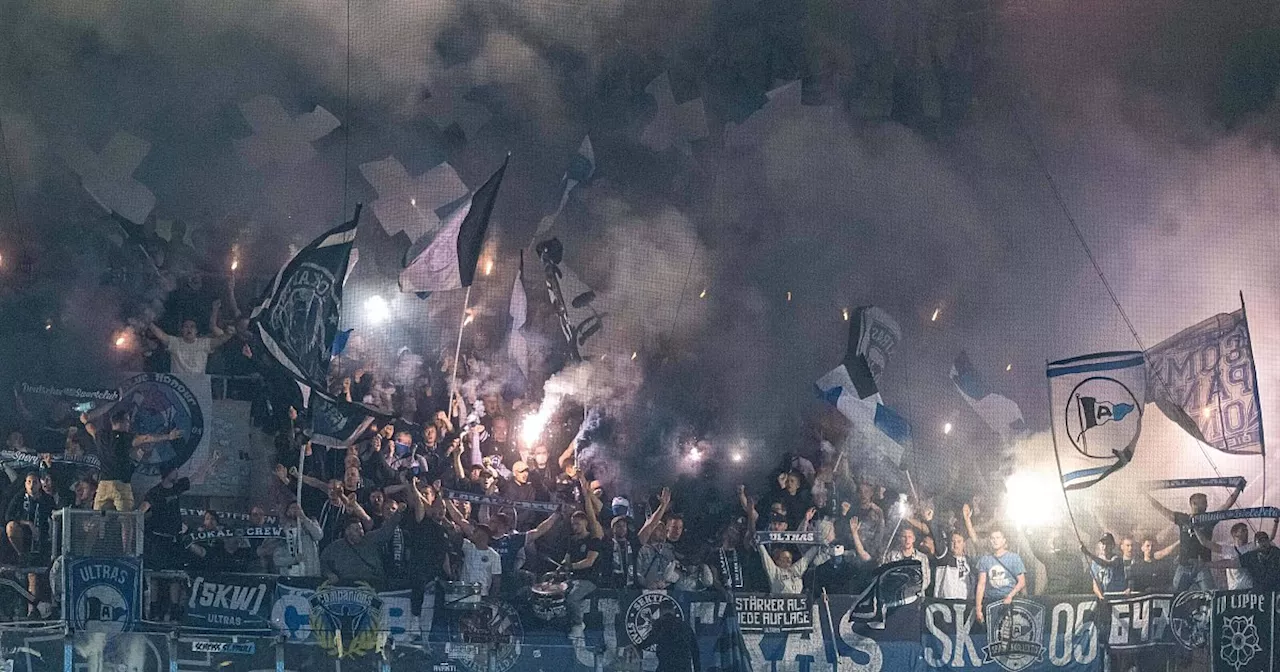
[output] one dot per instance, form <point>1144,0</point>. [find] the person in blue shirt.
<point>1106,568</point>
<point>1001,574</point>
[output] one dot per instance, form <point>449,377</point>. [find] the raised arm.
<point>309,481</point>
<point>966,513</point>
<point>646,530</point>
<point>158,333</point>
<point>591,505</point>
<point>145,439</point>
<point>543,527</point>
<point>458,519</point>
<point>1167,550</point>
<point>858,548</point>
<point>1231,501</point>
<point>1164,510</point>
<point>567,456</point>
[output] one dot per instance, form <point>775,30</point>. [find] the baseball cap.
<point>621,502</point>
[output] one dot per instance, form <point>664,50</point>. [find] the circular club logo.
<point>1015,634</point>
<point>1190,619</point>
<point>159,403</point>
<point>642,613</point>
<point>99,599</point>
<point>1103,417</point>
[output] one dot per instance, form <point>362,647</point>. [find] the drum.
<point>461,595</point>
<point>547,599</point>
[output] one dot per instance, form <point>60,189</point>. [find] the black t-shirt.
<point>427,543</point>
<point>1150,577</point>
<point>117,457</point>
<point>1191,550</point>
<point>578,550</point>
<point>164,516</point>
<point>1263,566</point>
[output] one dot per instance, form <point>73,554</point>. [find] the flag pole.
<point>457,351</point>
<point>1053,436</point>
<point>1257,393</point>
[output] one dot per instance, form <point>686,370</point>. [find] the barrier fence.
<point>257,622</point>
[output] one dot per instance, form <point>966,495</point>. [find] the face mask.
<point>402,449</point>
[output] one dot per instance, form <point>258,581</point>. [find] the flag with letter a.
<point>1096,405</point>
<point>1203,378</point>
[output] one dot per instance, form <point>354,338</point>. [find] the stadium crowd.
<point>445,497</point>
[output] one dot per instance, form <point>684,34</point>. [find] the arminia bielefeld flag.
<point>1097,402</point>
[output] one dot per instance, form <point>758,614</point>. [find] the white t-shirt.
<point>951,578</point>
<point>1238,579</point>
<point>189,358</point>
<point>479,566</point>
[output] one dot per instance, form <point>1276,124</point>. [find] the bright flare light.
<point>936,312</point>
<point>1031,498</point>
<point>376,309</point>
<point>467,321</point>
<point>120,341</point>
<point>413,202</point>
<point>845,312</point>
<point>703,295</point>
<point>736,456</point>
<point>1008,367</point>
<point>488,267</point>
<point>235,263</point>
<point>946,428</point>
<point>694,454</point>
<point>788,296</point>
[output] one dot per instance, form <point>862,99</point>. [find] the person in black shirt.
<point>119,451</point>
<point>1150,572</point>
<point>677,645</point>
<point>1195,542</point>
<point>1263,563</point>
<point>27,520</point>
<point>585,546</point>
<point>160,547</point>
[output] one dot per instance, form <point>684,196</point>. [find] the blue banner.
<point>103,594</point>
<point>231,602</point>
<point>1034,634</point>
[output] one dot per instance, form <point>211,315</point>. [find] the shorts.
<point>119,493</point>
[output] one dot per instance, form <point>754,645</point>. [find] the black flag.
<point>298,319</point>
<point>338,422</point>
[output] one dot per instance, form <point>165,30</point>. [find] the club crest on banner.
<point>1015,634</point>
<point>644,611</point>
<point>346,621</point>
<point>158,403</point>
<point>1191,618</point>
<point>1103,417</point>
<point>103,594</point>
<point>307,303</point>
<point>491,636</point>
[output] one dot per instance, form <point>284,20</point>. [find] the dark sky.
<point>906,179</point>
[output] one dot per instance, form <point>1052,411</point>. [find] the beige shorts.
<point>119,493</point>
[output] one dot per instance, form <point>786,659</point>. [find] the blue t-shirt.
<point>1002,574</point>
<point>1110,576</point>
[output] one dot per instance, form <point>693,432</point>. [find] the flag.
<point>894,584</point>
<point>297,322</point>
<point>851,387</point>
<point>449,262</point>
<point>581,168</point>
<point>878,335</point>
<point>340,339</point>
<point>1001,414</point>
<point>1096,402</point>
<point>1203,378</point>
<point>876,443</point>
<point>338,422</point>
<point>518,309</point>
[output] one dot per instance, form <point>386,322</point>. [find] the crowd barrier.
<point>256,622</point>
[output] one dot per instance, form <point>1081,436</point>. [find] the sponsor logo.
<point>158,403</point>
<point>1015,634</point>
<point>238,648</point>
<point>643,611</point>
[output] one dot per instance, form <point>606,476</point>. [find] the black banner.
<point>261,532</point>
<point>231,602</point>
<point>1243,632</point>
<point>761,612</point>
<point>501,502</point>
<point>799,538</point>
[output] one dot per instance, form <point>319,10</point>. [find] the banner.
<point>1140,622</point>
<point>1096,402</point>
<point>298,318</point>
<point>1243,632</point>
<point>48,409</point>
<point>762,612</point>
<point>161,402</point>
<point>1203,378</point>
<point>258,532</point>
<point>337,422</point>
<point>878,334</point>
<point>500,502</point>
<point>344,620</point>
<point>104,595</point>
<point>225,516</point>
<point>895,584</point>
<point>19,460</point>
<point>231,602</point>
<point>1269,512</point>
<point>1032,634</point>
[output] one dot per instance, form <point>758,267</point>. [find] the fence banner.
<point>1243,633</point>
<point>104,594</point>
<point>1034,634</point>
<point>761,612</point>
<point>231,602</point>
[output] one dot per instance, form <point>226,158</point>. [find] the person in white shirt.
<point>906,550</point>
<point>480,563</point>
<point>189,352</point>
<point>953,570</point>
<point>785,576</point>
<point>1229,557</point>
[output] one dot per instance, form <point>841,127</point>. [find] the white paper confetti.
<point>673,124</point>
<point>407,203</point>
<point>278,138</point>
<point>108,176</point>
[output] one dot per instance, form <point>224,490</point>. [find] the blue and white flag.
<point>1204,379</point>
<point>449,262</point>
<point>338,422</point>
<point>297,322</point>
<point>581,168</point>
<point>1096,402</point>
<point>1001,414</point>
<point>851,387</point>
<point>518,310</point>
